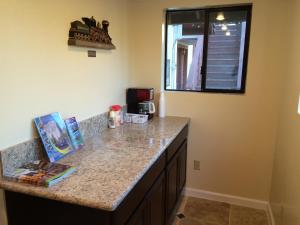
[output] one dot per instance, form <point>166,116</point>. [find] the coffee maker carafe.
<point>146,107</point>
<point>140,101</point>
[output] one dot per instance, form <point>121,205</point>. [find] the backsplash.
<point>93,125</point>
<point>18,155</point>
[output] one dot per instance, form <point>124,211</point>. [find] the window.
<point>207,49</point>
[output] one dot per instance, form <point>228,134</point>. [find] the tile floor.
<point>205,212</point>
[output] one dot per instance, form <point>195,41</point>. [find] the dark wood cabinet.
<point>152,209</point>
<point>176,178</point>
<point>158,207</point>
<point>139,217</point>
<point>161,200</point>
<point>156,202</point>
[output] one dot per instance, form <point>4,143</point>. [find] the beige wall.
<point>232,135</point>
<point>285,192</point>
<point>40,74</point>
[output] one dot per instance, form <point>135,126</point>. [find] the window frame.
<point>207,11</point>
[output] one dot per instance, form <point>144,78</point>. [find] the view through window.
<point>206,49</point>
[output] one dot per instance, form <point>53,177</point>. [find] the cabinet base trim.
<point>231,199</point>
<point>270,214</point>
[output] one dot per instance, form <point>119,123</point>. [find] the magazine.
<point>40,173</point>
<point>74,133</point>
<point>54,135</point>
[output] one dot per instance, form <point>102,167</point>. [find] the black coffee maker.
<point>145,97</point>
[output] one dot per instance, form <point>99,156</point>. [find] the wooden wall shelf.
<point>89,44</point>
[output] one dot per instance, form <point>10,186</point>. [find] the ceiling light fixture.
<point>220,16</point>
<point>228,33</point>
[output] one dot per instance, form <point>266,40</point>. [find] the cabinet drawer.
<point>171,186</point>
<point>156,202</point>
<point>181,167</point>
<point>174,146</point>
<point>140,216</point>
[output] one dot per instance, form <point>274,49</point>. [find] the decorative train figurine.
<point>90,34</point>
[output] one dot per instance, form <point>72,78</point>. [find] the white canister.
<point>162,105</point>
<point>112,119</point>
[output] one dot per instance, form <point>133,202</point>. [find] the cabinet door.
<point>139,216</point>
<point>156,202</point>
<point>171,186</point>
<point>182,157</point>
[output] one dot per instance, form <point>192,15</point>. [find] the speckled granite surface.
<point>110,164</point>
<point>93,125</point>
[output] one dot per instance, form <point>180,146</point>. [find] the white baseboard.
<point>231,199</point>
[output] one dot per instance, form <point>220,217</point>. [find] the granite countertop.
<point>109,165</point>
